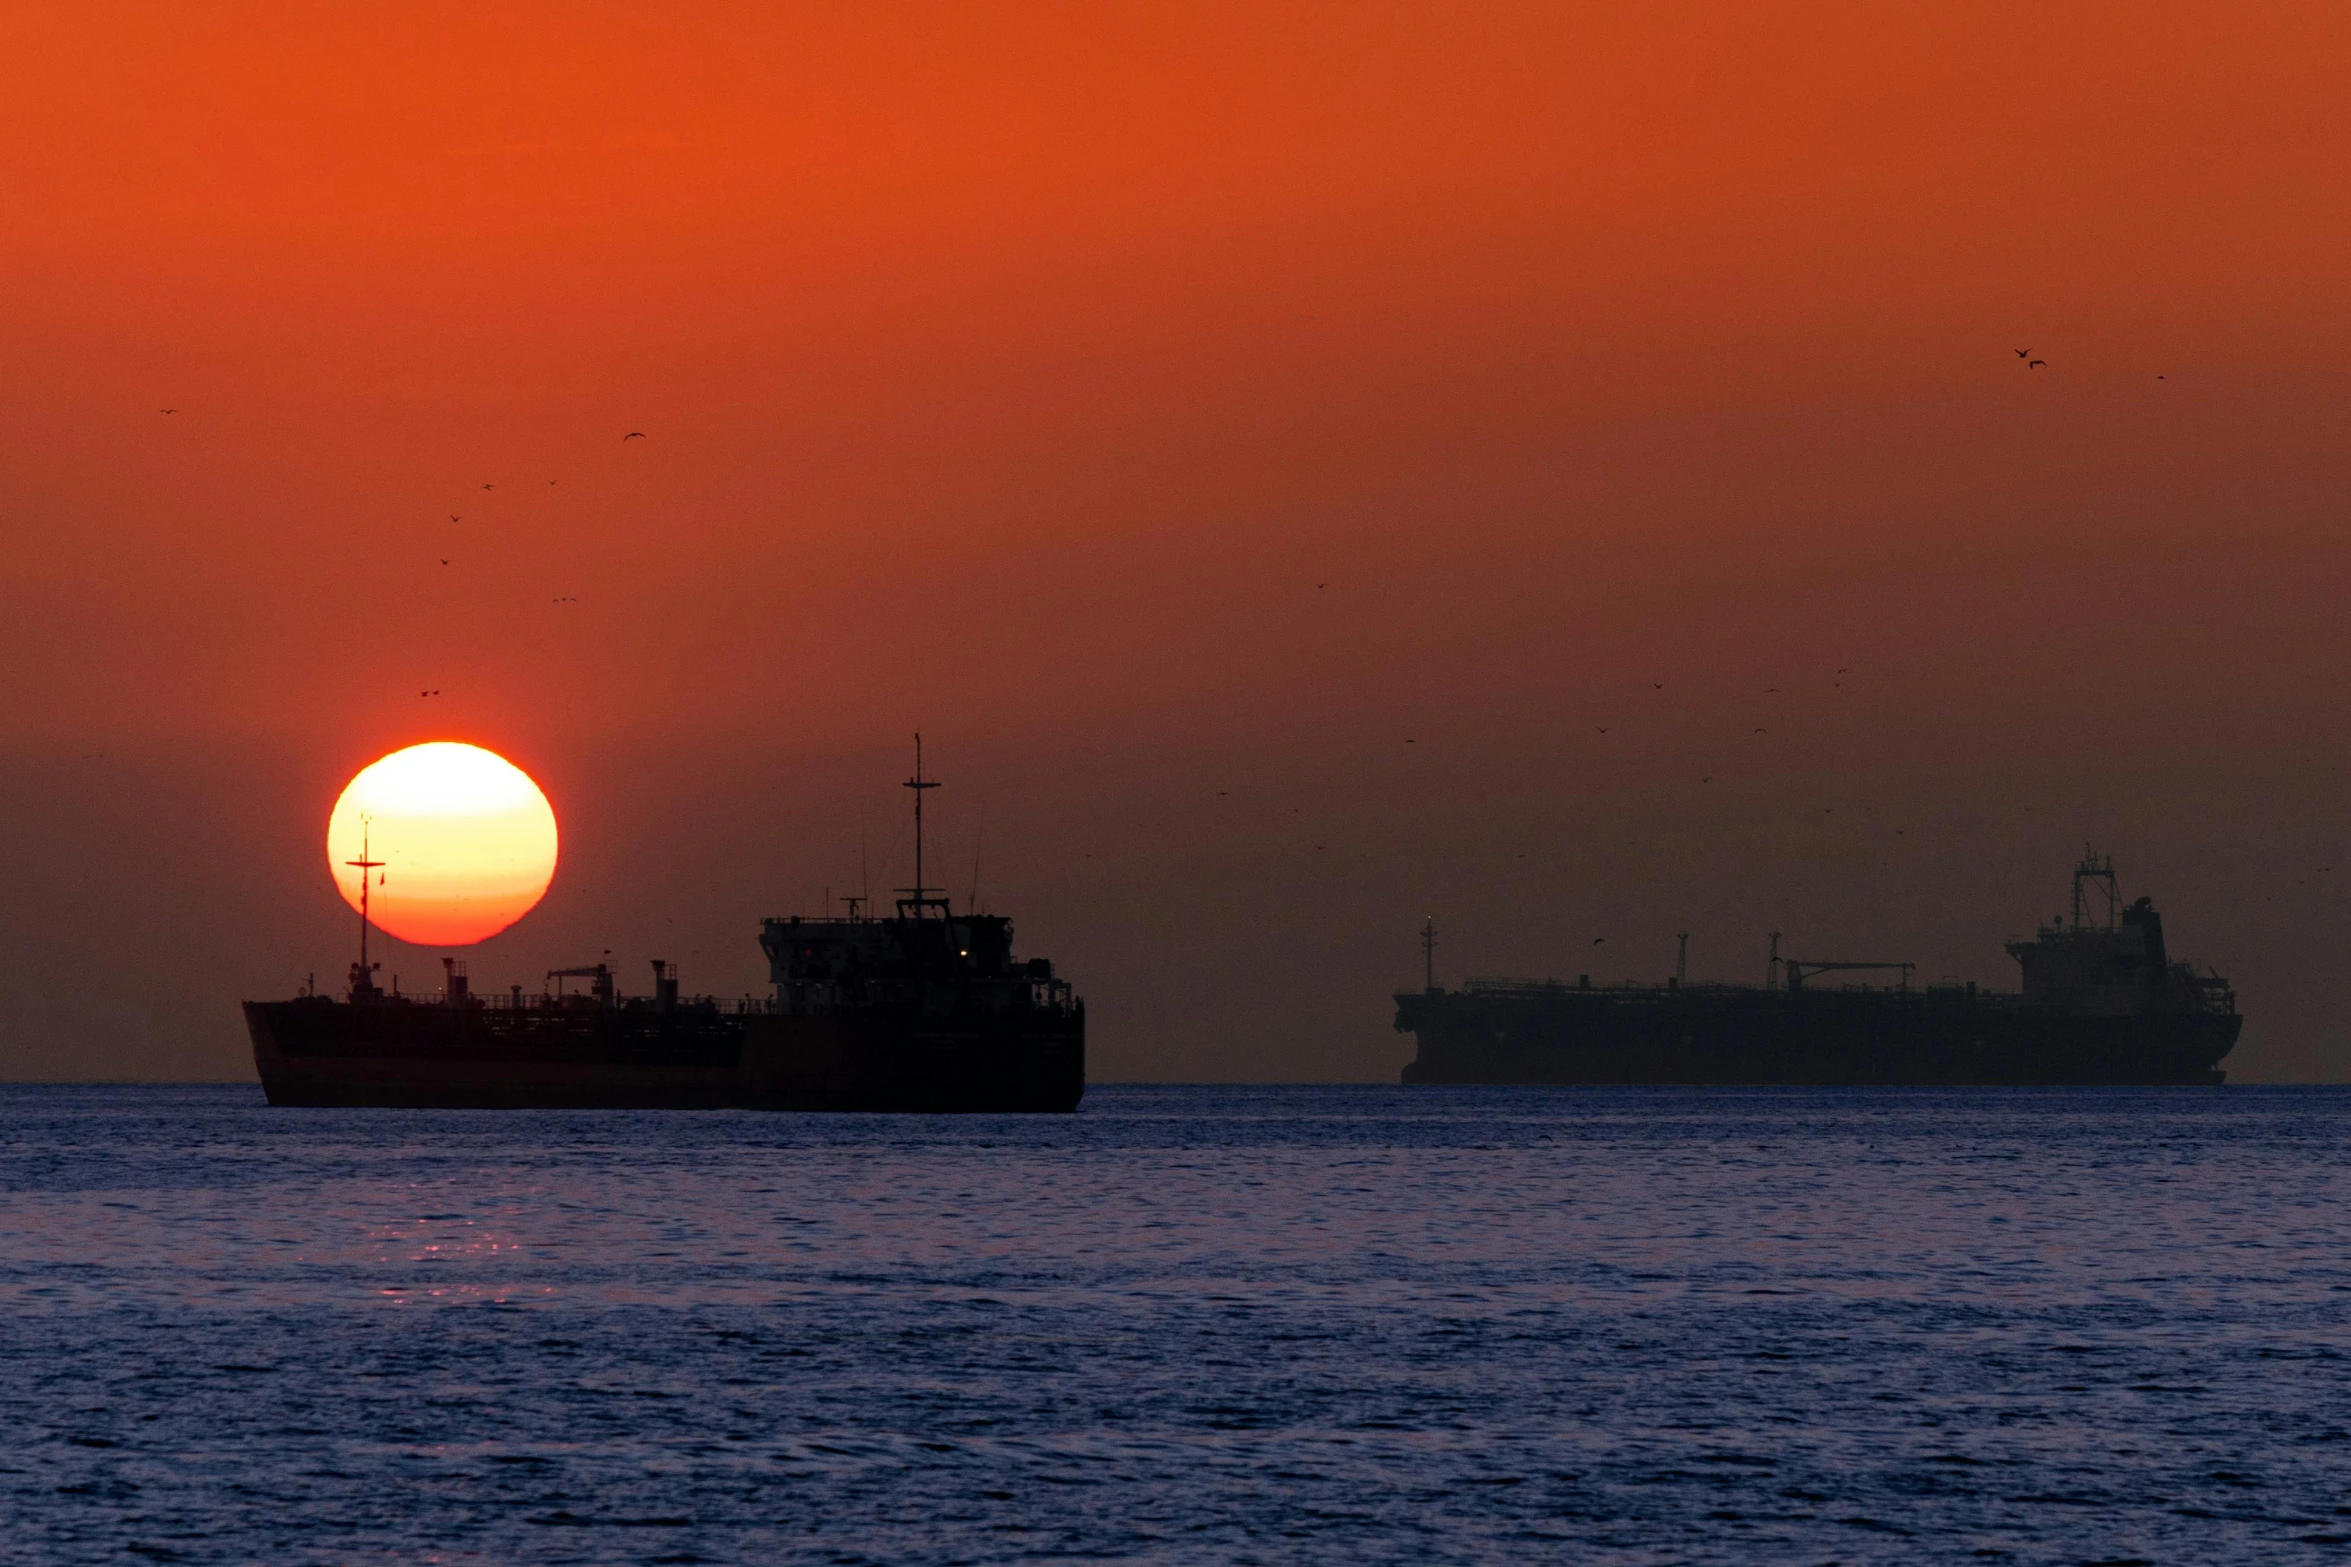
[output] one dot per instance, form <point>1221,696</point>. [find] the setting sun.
<point>465,838</point>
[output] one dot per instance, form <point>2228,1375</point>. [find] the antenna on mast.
<point>362,981</point>
<point>2098,868</point>
<point>978,839</point>
<point>920,898</point>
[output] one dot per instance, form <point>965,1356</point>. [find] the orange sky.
<point>1019,372</point>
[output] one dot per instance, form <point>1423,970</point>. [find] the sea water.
<point>1185,1324</point>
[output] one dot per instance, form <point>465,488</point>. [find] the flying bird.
<point>1598,940</point>
<point>1604,729</point>
<point>1321,585</point>
<point>444,560</point>
<point>2036,364</point>
<point>489,486</point>
<point>1759,731</point>
<point>175,410</point>
<point>453,517</point>
<point>1656,685</point>
<point>2024,353</point>
<point>634,435</point>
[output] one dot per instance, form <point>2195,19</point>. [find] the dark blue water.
<point>1186,1325</point>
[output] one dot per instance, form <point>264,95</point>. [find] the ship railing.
<point>567,1004</point>
<point>2216,993</point>
<point>1511,985</point>
<point>1051,996</point>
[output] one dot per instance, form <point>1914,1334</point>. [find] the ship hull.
<point>431,1056</point>
<point>1564,1035</point>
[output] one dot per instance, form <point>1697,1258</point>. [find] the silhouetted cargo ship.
<point>926,1011</point>
<point>2101,1002</point>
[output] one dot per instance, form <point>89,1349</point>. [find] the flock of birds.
<point>2031,362</point>
<point>456,518</point>
<point>2025,354</point>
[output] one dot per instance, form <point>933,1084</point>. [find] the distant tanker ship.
<point>2101,1002</point>
<point>926,1011</point>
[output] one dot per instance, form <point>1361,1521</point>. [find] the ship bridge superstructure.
<point>2109,958</point>
<point>935,965</point>
<point>927,962</point>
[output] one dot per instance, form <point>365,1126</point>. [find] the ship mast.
<point>359,976</point>
<point>1428,953</point>
<point>2099,868</point>
<point>921,898</point>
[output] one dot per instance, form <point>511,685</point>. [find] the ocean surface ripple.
<point>1186,1324</point>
